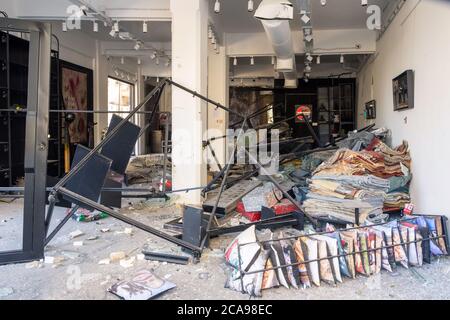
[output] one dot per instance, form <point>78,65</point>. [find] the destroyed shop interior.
<point>224,149</point>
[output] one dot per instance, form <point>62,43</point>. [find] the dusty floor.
<point>79,276</point>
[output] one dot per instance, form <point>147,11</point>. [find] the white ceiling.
<point>336,14</point>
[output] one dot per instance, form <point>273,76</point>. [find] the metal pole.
<point>214,155</point>
<point>204,98</point>
<point>166,148</point>
<point>222,187</point>
<point>260,166</point>
<point>196,250</point>
<point>60,225</point>
<point>113,132</point>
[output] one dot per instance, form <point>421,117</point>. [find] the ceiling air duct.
<point>275,16</point>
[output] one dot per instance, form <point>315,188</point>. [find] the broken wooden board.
<point>230,197</point>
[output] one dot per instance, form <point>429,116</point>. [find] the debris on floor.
<point>4,292</point>
<point>84,215</point>
<point>144,286</point>
<point>147,169</point>
<point>117,256</point>
<point>76,234</point>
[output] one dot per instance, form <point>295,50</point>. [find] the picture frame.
<point>403,91</point>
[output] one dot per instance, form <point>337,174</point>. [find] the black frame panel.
<point>36,145</point>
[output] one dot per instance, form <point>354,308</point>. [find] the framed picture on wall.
<point>77,94</point>
<point>403,90</point>
<point>303,111</point>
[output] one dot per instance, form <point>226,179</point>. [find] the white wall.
<point>418,39</point>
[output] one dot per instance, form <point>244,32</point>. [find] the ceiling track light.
<point>64,26</point>
<point>323,2</point>
<point>138,45</point>
<point>342,60</point>
<point>168,63</point>
<point>157,61</point>
<point>113,33</point>
<point>116,26</point>
<point>213,40</point>
<point>235,61</point>
<point>364,3</point>
<point>153,55</point>
<point>273,60</point>
<point>318,60</point>
<point>252,61</point>
<point>250,6</point>
<point>95,26</point>
<point>139,61</point>
<point>122,60</point>
<point>217,6</point>
<point>210,32</point>
<point>144,27</point>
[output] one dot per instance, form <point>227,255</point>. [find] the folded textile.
<point>360,139</point>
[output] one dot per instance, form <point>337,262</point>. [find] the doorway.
<point>120,98</point>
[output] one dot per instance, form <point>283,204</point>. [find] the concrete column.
<point>189,68</point>
<point>218,90</point>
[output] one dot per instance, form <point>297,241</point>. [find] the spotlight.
<point>309,57</point>
<point>235,62</point>
<point>116,26</point>
<point>112,33</point>
<point>153,55</point>
<point>95,26</point>
<point>217,6</point>
<point>137,46</point>
<point>210,32</point>
<point>168,63</point>
<point>323,2</point>
<point>64,26</point>
<point>364,3</point>
<point>273,60</point>
<point>308,68</point>
<point>122,60</point>
<point>318,60</point>
<point>252,61</point>
<point>342,58</point>
<point>157,61</point>
<point>157,79</point>
<point>116,72</point>
<point>213,40</point>
<point>250,5</point>
<point>144,27</point>
<point>139,61</point>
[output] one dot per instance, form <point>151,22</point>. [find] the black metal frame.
<point>36,139</point>
<point>37,210</point>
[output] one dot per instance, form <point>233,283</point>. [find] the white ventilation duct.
<point>275,16</point>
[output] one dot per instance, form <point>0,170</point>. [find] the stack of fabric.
<point>374,179</point>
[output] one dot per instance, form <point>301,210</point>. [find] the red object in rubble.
<point>284,207</point>
<point>252,216</point>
